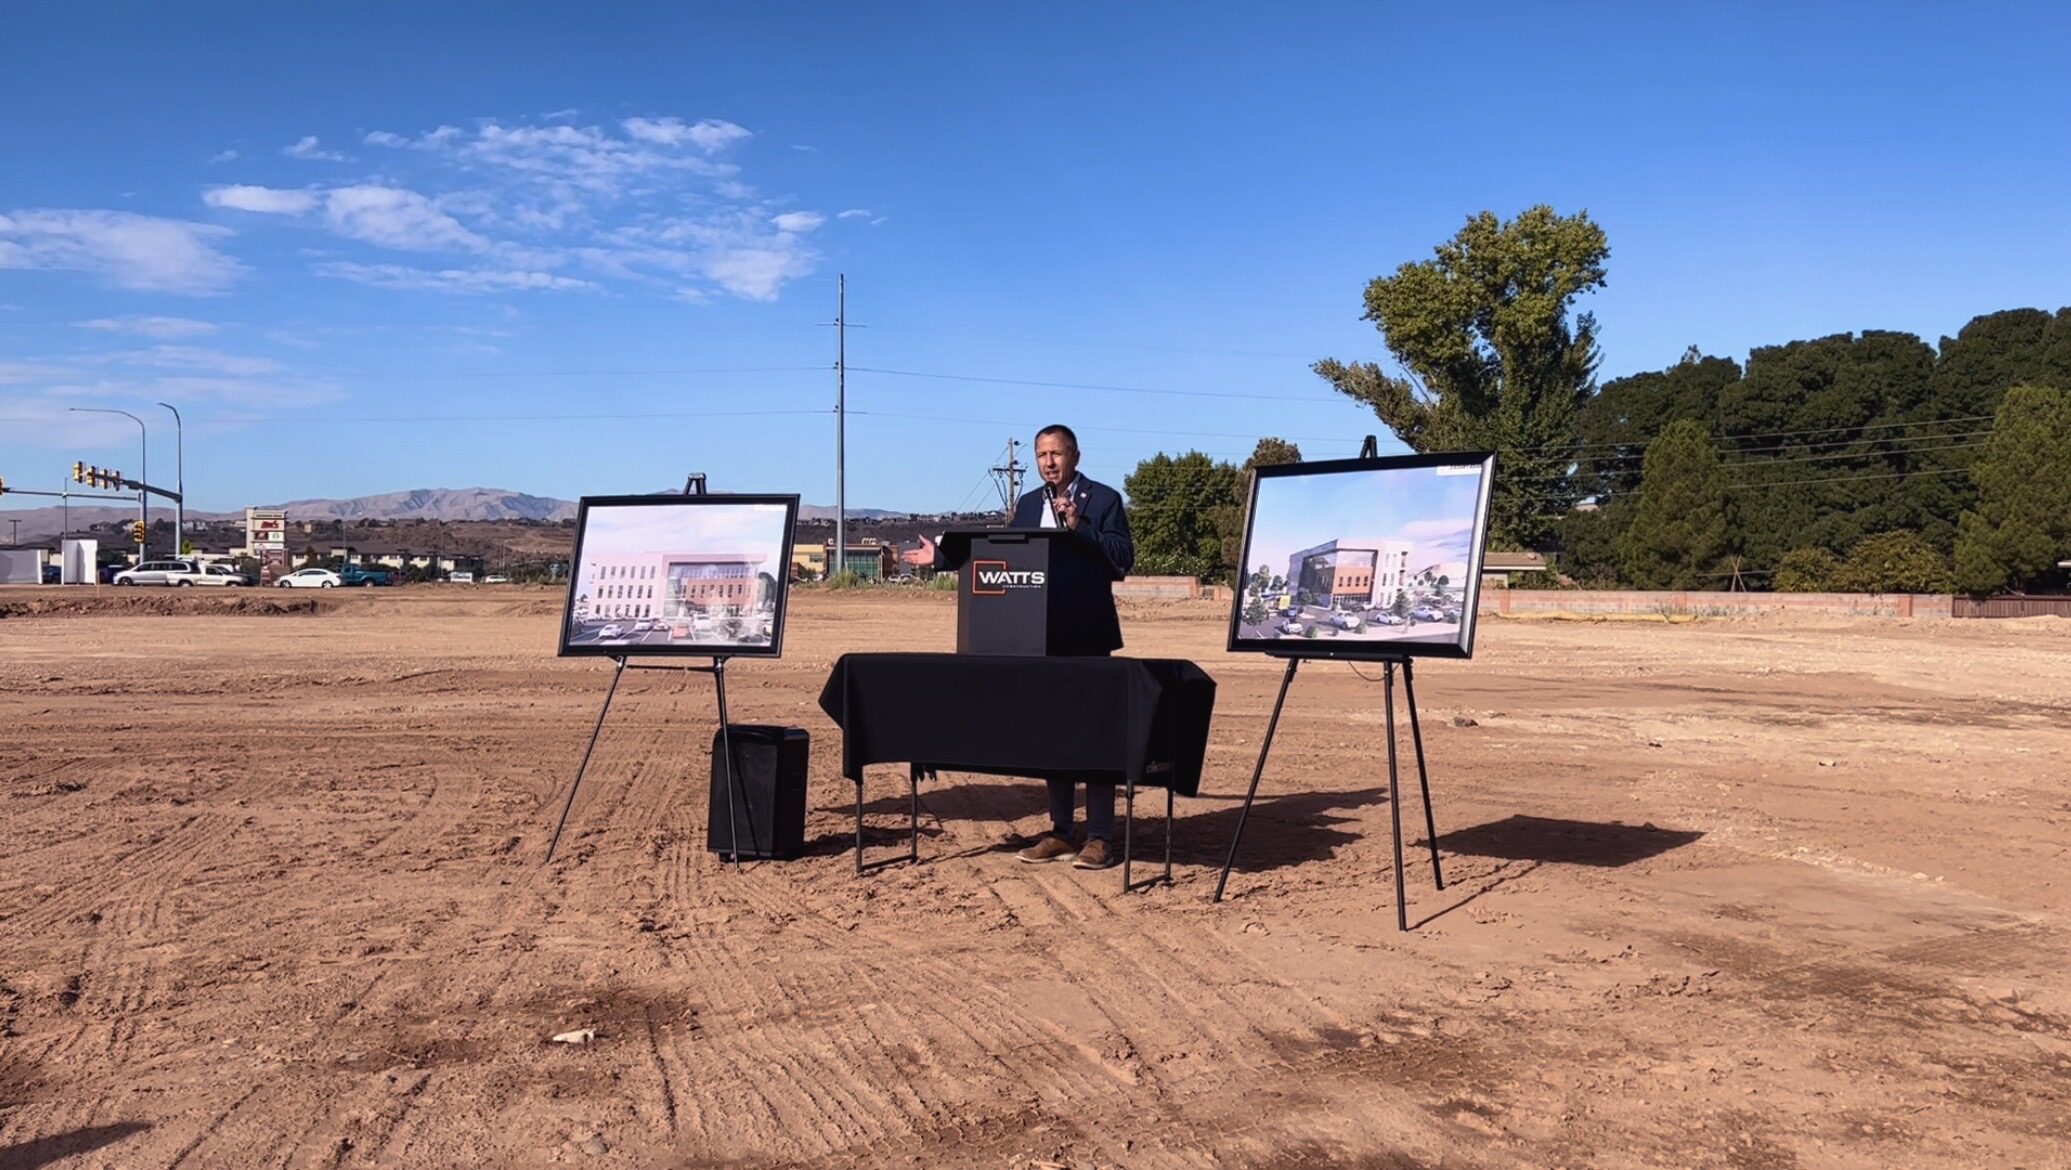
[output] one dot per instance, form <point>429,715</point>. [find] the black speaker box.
<point>769,802</point>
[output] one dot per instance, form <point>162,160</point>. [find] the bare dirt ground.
<point>1731,894</point>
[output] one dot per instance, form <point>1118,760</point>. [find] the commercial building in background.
<point>1351,571</point>
<point>670,585</point>
<point>870,560</point>
<point>808,560</point>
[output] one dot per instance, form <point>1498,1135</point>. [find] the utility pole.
<point>1009,475</point>
<point>179,484</point>
<point>17,537</point>
<point>841,426</point>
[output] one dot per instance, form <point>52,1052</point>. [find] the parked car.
<point>1424,613</point>
<point>643,625</point>
<point>223,576</point>
<point>1383,617</point>
<point>159,573</point>
<point>496,579</point>
<point>311,578</point>
<point>1290,626</point>
<point>614,630</point>
<point>1348,621</point>
<point>364,575</point>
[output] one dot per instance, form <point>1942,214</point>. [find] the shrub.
<point>1895,562</point>
<point>846,579</point>
<point>1806,570</point>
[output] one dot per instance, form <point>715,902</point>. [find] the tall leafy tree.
<point>1894,562</point>
<point>1492,356</point>
<point>1173,505</point>
<point>1678,533</point>
<point>2021,526</point>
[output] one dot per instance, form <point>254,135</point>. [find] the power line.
<point>1102,428</point>
<point>1091,386</point>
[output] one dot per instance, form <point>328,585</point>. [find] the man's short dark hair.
<point>1059,429</point>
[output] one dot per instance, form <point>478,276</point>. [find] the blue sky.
<point>566,252</point>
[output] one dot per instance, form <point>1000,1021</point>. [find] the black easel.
<point>1368,450</point>
<point>694,485</point>
<point>1394,779</point>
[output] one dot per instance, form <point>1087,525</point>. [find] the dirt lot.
<point>1730,894</point>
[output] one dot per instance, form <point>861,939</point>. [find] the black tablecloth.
<point>1108,720</point>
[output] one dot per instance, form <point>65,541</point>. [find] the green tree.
<point>2021,526</point>
<point>1616,425</point>
<point>1678,532</point>
<point>1894,562</point>
<point>1491,358</point>
<point>1824,445</point>
<point>1589,540</point>
<point>1173,506</point>
<point>1806,570</point>
<point>1401,606</point>
<point>1229,519</point>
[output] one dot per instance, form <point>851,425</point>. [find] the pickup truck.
<point>362,575</point>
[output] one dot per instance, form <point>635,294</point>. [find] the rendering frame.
<point>702,576</point>
<point>1364,558</point>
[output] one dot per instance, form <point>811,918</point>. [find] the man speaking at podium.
<point>1072,502</point>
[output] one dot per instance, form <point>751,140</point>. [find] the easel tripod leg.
<point>733,770</point>
<point>1395,797</point>
<point>1128,828</point>
<point>1416,734</point>
<point>1252,793</point>
<point>585,765</point>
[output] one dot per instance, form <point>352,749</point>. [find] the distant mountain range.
<point>421,504</point>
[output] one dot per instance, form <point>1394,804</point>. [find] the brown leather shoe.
<point>1096,854</point>
<point>1048,847</point>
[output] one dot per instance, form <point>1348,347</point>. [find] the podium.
<point>1038,592</point>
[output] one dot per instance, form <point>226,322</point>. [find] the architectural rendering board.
<point>1364,558</point>
<point>679,575</point>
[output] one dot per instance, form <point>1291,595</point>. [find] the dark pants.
<point>1100,809</point>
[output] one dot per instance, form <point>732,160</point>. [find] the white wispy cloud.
<point>396,218</point>
<point>709,135</point>
<point>854,213</point>
<point>132,251</point>
<point>214,361</point>
<point>263,200</point>
<point>165,327</point>
<point>307,147</point>
<point>450,280</point>
<point>649,200</point>
<point>224,156</point>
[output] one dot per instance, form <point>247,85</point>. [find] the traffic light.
<point>136,531</point>
<point>78,472</point>
<point>3,487</point>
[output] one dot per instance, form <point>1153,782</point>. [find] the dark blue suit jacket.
<point>1102,519</point>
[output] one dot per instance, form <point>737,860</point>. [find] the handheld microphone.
<point>1057,496</point>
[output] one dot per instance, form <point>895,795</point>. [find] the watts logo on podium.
<point>994,578</point>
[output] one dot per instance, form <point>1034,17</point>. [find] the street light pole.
<point>179,483</point>
<point>143,475</point>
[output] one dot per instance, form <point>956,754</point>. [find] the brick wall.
<point>1635,601</point>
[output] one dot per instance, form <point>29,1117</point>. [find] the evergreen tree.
<point>1678,532</point>
<point>1616,425</point>
<point>2021,526</point>
<point>1493,360</point>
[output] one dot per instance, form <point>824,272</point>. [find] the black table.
<point>1131,722</point>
